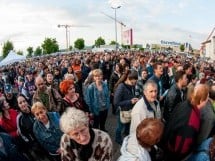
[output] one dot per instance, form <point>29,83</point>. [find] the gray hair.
<point>149,82</point>
<point>73,118</point>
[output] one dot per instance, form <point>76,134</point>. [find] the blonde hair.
<point>200,93</point>
<point>97,72</point>
<point>37,106</point>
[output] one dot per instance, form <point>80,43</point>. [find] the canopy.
<point>11,58</point>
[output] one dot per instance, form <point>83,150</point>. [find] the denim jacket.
<point>92,100</point>
<point>49,138</point>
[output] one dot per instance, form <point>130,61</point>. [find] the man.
<point>175,94</point>
<point>158,71</point>
<point>47,95</point>
<point>140,83</point>
<point>146,107</point>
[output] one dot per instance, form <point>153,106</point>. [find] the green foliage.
<point>70,47</point>
<point>20,52</point>
<point>182,48</point>
<point>50,46</point>
<point>99,41</point>
<point>38,51</point>
<point>30,51</point>
<point>113,42</point>
<point>79,43</point>
<point>6,48</point>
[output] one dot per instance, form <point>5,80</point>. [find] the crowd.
<point>56,107</point>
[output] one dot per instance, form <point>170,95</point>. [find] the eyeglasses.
<point>76,134</point>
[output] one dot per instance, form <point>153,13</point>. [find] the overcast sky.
<point>28,22</point>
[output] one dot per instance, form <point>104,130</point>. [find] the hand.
<point>134,100</point>
<point>58,151</point>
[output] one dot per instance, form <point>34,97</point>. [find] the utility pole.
<point>121,23</point>
<point>68,38</point>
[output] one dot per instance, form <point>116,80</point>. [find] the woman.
<point>46,129</point>
<point>124,98</point>
<point>148,133</point>
<point>180,134</point>
<point>8,119</point>
<point>80,142</point>
<point>71,97</point>
<point>98,99</point>
<point>25,122</point>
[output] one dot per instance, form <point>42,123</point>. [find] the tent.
<point>11,58</point>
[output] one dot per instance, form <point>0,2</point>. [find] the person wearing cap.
<point>79,141</point>
<point>10,96</point>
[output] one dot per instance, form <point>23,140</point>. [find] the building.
<point>208,46</point>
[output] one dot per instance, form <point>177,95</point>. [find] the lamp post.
<point>66,27</point>
<point>115,8</point>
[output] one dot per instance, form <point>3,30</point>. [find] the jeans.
<point>100,120</point>
<point>121,128</point>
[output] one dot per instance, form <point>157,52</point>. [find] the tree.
<point>20,52</point>
<point>182,48</point>
<point>99,41</point>
<point>6,48</point>
<point>38,51</point>
<point>70,47</point>
<point>79,43</point>
<point>113,43</point>
<point>30,51</point>
<point>50,46</point>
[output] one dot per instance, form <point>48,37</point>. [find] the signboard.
<point>172,43</point>
<point>127,37</point>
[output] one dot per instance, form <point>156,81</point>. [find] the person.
<point>141,81</point>
<point>79,141</point>
<point>46,129</point>
<point>8,150</point>
<point>48,96</point>
<point>25,122</point>
<point>147,107</point>
<point>10,96</point>
<point>124,98</point>
<point>98,99</point>
<point>175,94</point>
<point>180,134</point>
<point>148,133</point>
<point>71,97</point>
<point>207,128</point>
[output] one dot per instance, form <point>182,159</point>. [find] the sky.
<point>28,22</point>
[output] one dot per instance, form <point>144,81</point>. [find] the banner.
<point>127,37</point>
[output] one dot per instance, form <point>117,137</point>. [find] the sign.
<point>127,37</point>
<point>172,43</point>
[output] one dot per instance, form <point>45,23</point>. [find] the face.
<point>71,90</point>
<point>6,105</point>
<point>132,82</point>
<point>159,70</point>
<point>98,77</point>
<point>144,74</point>
<point>49,77</point>
<point>23,104</point>
<point>150,93</point>
<point>81,135</point>
<point>41,115</point>
<point>40,84</point>
<point>184,80</point>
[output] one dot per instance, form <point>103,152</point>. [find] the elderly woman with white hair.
<point>80,142</point>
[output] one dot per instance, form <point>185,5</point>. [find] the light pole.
<point>66,27</point>
<point>115,8</point>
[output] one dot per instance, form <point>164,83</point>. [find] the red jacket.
<point>9,125</point>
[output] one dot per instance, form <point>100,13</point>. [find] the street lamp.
<point>115,8</point>
<point>66,27</point>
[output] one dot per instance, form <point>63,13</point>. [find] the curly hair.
<point>73,118</point>
<point>64,86</point>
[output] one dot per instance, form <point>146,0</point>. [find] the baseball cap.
<point>8,88</point>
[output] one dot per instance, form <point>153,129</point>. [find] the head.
<point>49,77</point>
<point>144,74</point>
<point>69,77</point>
<point>212,92</point>
<point>132,77</point>
<point>40,112</point>
<point>181,78</point>
<point>40,83</point>
<point>199,96</point>
<point>158,69</point>
<point>8,91</point>
<point>67,87</point>
<point>188,68</point>
<point>23,104</point>
<point>149,132</point>
<point>74,123</point>
<point>4,105</point>
<point>29,75</point>
<point>97,75</point>
<point>150,91</point>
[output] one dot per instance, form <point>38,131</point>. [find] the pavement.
<point>111,127</point>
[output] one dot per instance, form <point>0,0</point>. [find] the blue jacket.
<point>92,100</point>
<point>49,138</point>
<point>202,152</point>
